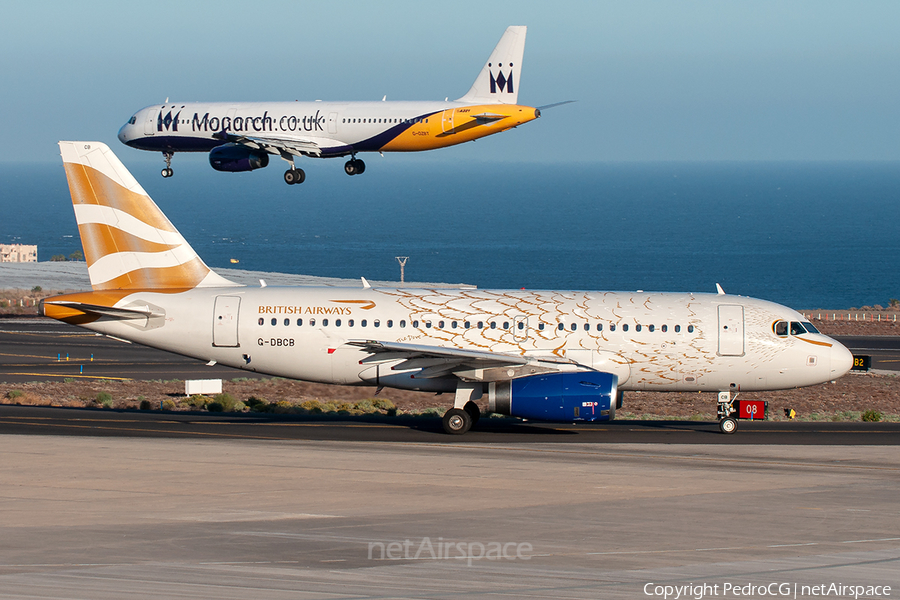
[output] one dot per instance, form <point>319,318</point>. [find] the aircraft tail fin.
<point>499,79</point>
<point>128,242</point>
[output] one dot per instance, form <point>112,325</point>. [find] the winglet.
<point>128,242</point>
<point>498,81</point>
<point>719,290</point>
<point>365,283</point>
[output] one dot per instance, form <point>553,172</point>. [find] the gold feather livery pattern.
<point>128,242</point>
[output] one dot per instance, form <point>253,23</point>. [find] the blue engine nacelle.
<point>582,396</point>
<point>235,158</point>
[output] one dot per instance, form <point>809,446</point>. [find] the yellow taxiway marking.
<point>70,375</point>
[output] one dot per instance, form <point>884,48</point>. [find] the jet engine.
<point>580,396</point>
<point>236,158</point>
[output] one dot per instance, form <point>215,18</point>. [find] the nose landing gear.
<point>168,172</point>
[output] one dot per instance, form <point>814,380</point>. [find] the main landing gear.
<point>354,166</point>
<point>726,413</point>
<point>293,175</point>
<point>465,413</point>
<point>168,172</point>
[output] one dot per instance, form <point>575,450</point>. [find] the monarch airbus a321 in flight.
<point>240,136</point>
<point>544,355</point>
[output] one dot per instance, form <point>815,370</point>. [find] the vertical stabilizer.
<point>128,242</point>
<point>499,79</point>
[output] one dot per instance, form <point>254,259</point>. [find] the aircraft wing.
<point>274,145</point>
<point>437,361</point>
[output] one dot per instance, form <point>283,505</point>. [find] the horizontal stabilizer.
<point>134,312</point>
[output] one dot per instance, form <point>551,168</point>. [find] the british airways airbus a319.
<point>240,136</point>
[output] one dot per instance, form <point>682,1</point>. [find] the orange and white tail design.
<point>128,242</point>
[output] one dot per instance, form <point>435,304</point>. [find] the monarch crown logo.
<point>505,83</point>
<point>164,123</point>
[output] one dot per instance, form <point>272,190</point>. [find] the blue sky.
<point>696,80</point>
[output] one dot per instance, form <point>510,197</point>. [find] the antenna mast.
<point>402,260</point>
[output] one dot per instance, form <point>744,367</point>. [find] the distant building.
<point>18,253</point>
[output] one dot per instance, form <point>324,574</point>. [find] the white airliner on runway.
<point>545,355</point>
<point>240,136</point>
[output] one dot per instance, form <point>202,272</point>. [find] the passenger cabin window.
<point>300,323</point>
<point>540,326</point>
<point>312,322</point>
<point>780,328</point>
<point>415,324</point>
<point>624,326</point>
<point>664,328</point>
<point>612,326</point>
<point>599,326</point>
<point>587,326</point>
<point>493,325</point>
<point>677,328</point>
<point>402,323</point>
<point>337,322</point>
<point>287,322</point>
<point>390,322</point>
<point>561,326</point>
<point>376,323</point>
<point>274,321</point>
<point>690,329</point>
<point>349,322</point>
<point>324,322</point>
<point>261,321</point>
<point>637,327</point>
<point>650,328</point>
<point>574,326</point>
<point>364,323</point>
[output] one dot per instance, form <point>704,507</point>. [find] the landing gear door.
<point>225,321</point>
<point>731,330</point>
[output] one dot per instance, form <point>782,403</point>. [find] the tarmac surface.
<point>230,517</point>
<point>38,349</point>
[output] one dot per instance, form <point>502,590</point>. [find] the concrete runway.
<point>36,350</point>
<point>114,517</point>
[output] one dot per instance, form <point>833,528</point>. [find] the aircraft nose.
<point>841,360</point>
<point>123,135</point>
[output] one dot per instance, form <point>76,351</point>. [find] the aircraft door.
<point>150,123</point>
<point>225,321</point>
<point>332,122</point>
<point>731,330</point>
<point>447,120</point>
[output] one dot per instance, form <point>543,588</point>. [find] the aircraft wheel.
<point>292,176</point>
<point>350,167</point>
<point>473,411</point>
<point>167,172</point>
<point>360,167</point>
<point>728,425</point>
<point>457,421</point>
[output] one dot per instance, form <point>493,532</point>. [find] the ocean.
<point>808,235</point>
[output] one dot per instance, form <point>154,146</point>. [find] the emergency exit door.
<point>225,321</point>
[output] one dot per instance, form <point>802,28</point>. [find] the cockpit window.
<point>780,328</point>
<point>810,327</point>
<point>797,328</point>
<point>132,120</point>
